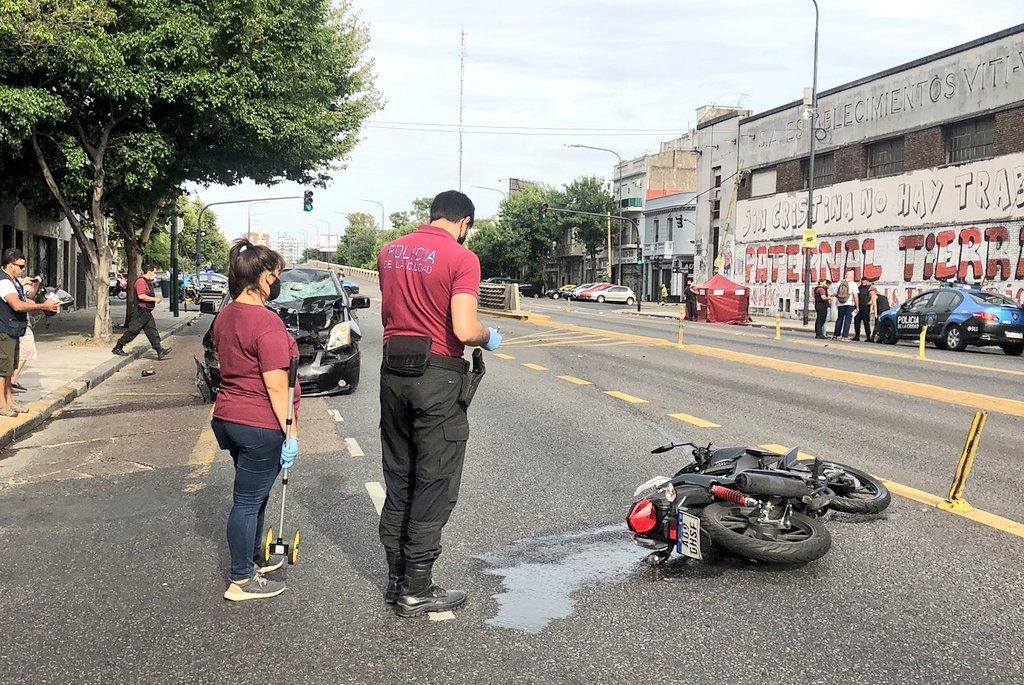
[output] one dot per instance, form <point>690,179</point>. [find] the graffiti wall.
<point>904,233</point>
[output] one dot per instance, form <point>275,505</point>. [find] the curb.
<point>517,314</point>
<point>43,409</point>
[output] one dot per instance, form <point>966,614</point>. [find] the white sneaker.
<point>258,587</point>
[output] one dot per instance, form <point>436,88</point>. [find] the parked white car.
<point>617,293</point>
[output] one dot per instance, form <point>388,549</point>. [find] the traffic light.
<point>639,256</point>
<point>542,211</point>
<point>307,201</point>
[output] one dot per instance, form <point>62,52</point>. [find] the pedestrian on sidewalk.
<point>142,318</point>
<point>844,306</point>
<point>14,309</point>
<point>821,306</point>
<point>429,316</point>
<point>663,295</point>
<point>254,350</point>
<point>691,303</point>
<point>27,344</point>
<point>867,309</point>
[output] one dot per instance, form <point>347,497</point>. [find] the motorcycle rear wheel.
<point>869,496</point>
<point>804,541</point>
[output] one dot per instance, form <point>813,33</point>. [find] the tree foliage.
<point>107,107</point>
<point>584,194</point>
<point>356,247</point>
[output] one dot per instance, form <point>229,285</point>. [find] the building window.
<point>824,170</point>
<point>885,157</point>
<point>764,182</point>
<point>670,229</point>
<point>656,222</point>
<point>972,139</point>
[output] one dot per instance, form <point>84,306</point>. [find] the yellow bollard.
<point>955,497</point>
<point>920,343</point>
<point>567,300</point>
<point>679,326</point>
<point>778,326</point>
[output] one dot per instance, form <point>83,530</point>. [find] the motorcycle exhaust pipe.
<point>775,486</point>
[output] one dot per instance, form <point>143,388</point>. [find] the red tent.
<point>719,300</point>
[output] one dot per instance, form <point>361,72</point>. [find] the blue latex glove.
<point>289,450</point>
<point>494,341</point>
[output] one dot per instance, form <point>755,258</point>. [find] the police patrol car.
<point>957,315</point>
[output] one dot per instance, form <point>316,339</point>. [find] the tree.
<point>115,104</point>
<point>356,246</point>
<point>585,194</point>
<point>419,214</point>
<point>501,251</point>
<point>533,238</point>
<point>310,253</point>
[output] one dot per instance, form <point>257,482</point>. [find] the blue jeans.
<point>843,320</point>
<point>256,453</point>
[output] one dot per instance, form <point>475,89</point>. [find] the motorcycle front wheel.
<point>729,526</point>
<point>856,492</point>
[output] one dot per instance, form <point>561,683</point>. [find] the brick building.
<point>919,177</point>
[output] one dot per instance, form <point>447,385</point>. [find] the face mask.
<point>275,290</point>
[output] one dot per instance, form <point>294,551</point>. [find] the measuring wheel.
<point>293,552</point>
<point>268,542</point>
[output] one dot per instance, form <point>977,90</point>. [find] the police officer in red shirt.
<point>141,320</point>
<point>429,284</point>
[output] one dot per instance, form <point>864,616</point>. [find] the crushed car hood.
<point>311,317</point>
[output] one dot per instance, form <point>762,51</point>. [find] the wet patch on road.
<point>539,575</point>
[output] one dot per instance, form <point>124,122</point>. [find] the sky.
<point>635,69</point>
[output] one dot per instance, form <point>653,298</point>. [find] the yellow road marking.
<point>993,403</point>
<point>540,337</point>
<point>700,423</point>
<point>580,340</point>
<point>782,449</point>
<point>502,355</point>
<point>624,397</point>
<point>575,381</point>
<point>983,517</point>
<point>607,344</point>
<point>201,457</point>
<point>536,367</point>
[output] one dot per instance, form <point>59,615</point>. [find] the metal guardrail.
<point>348,271</point>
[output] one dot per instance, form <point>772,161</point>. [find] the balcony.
<point>632,203</point>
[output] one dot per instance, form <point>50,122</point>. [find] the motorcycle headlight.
<point>341,336</point>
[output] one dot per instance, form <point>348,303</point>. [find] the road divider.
<point>694,421</point>
<point>377,495</point>
<point>955,498</point>
<point>625,397</point>
<point>354,450</point>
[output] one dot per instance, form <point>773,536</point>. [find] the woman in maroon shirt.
<point>254,350</point>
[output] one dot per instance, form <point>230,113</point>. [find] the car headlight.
<point>340,336</point>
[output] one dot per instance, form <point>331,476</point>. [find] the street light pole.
<point>617,181</point>
<point>496,190</point>
<point>810,171</point>
<point>381,211</point>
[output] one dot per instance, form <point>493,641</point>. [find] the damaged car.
<point>318,312</point>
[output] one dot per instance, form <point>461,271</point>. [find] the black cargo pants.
<point>423,432</point>
<point>863,316</point>
<point>141,321</point>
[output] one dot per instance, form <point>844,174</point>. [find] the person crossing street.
<point>429,287</point>
<point>142,318</point>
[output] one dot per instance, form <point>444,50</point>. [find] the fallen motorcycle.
<point>755,503</point>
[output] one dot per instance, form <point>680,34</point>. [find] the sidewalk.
<point>653,310</point>
<point>67,364</point>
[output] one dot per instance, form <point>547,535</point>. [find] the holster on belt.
<point>471,380</point>
<point>406,355</point>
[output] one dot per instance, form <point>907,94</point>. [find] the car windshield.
<point>992,299</point>
<point>298,284</point>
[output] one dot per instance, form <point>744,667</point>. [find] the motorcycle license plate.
<point>688,535</point>
<point>1014,336</point>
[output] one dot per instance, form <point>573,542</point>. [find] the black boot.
<point>119,351</point>
<point>396,576</point>
<point>162,353</point>
<point>421,595</point>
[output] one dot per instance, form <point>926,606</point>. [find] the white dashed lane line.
<point>376,492</point>
<point>354,449</point>
<point>336,415</point>
<point>441,615</point>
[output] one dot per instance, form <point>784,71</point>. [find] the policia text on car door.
<point>429,284</point>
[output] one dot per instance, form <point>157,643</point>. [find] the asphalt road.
<point>113,520</point>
